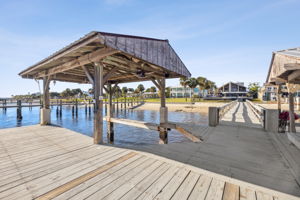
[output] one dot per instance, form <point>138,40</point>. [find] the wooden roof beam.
<point>294,75</point>
<point>109,74</point>
<point>69,78</point>
<point>88,74</point>
<point>278,80</point>
<point>95,56</point>
<point>292,66</point>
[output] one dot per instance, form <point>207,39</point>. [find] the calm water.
<point>124,135</point>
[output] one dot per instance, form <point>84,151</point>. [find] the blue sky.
<point>221,40</point>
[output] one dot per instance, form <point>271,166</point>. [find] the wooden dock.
<point>47,162</point>
<point>241,115</point>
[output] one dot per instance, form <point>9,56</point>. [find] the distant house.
<point>269,92</point>
<point>147,95</point>
<point>233,90</point>
<point>180,92</point>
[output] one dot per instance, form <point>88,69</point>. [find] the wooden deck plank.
<point>122,166</point>
<point>159,184</point>
<point>146,183</point>
<point>75,182</point>
<point>201,188</point>
<point>231,192</point>
<point>126,182</point>
<point>169,190</point>
<point>216,189</point>
<point>48,161</point>
<point>120,191</point>
<point>186,187</point>
<point>94,186</point>
<point>44,183</point>
<point>263,196</point>
<point>247,194</point>
<point>50,144</point>
<point>48,166</point>
<point>38,158</point>
<point>63,164</point>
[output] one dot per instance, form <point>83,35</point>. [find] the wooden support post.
<point>98,95</point>
<point>19,110</point>
<point>110,125</point>
<point>279,98</point>
<point>163,133</point>
<point>291,112</point>
<point>45,111</point>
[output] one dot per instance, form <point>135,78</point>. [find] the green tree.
<point>168,92</point>
<point>54,94</point>
<point>183,83</point>
<point>130,90</point>
<point>192,83</point>
<point>210,86</point>
<point>67,93</point>
<point>152,90</point>
<point>253,89</point>
<point>202,83</point>
<point>76,92</point>
<point>140,88</point>
<point>124,91</point>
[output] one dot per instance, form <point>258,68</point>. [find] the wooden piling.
<point>60,110</point>
<point>163,132</point>
<point>19,110</point>
<point>76,107</point>
<point>110,125</point>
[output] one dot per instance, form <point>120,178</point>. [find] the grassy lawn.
<point>183,100</point>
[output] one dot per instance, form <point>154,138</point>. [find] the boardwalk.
<point>241,115</point>
<point>55,163</point>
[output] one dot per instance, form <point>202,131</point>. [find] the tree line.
<point>201,82</point>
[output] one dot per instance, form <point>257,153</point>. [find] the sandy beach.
<point>201,107</point>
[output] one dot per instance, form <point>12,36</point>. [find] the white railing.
<point>216,113</point>
<point>258,110</point>
<point>225,108</point>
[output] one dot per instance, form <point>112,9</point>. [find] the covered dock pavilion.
<point>285,69</point>
<point>105,60</point>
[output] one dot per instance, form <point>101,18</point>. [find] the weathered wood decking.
<point>241,115</point>
<point>45,162</point>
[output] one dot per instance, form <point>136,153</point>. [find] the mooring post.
<point>125,102</point>
<point>90,107</point>
<point>19,110</point>
<point>117,104</point>
<point>60,110</point>
<point>4,105</point>
<point>163,133</point>
<point>98,95</point>
<point>57,111</point>
<point>76,107</point>
<point>110,125</point>
<point>85,109</point>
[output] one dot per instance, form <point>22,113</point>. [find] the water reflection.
<point>83,123</point>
